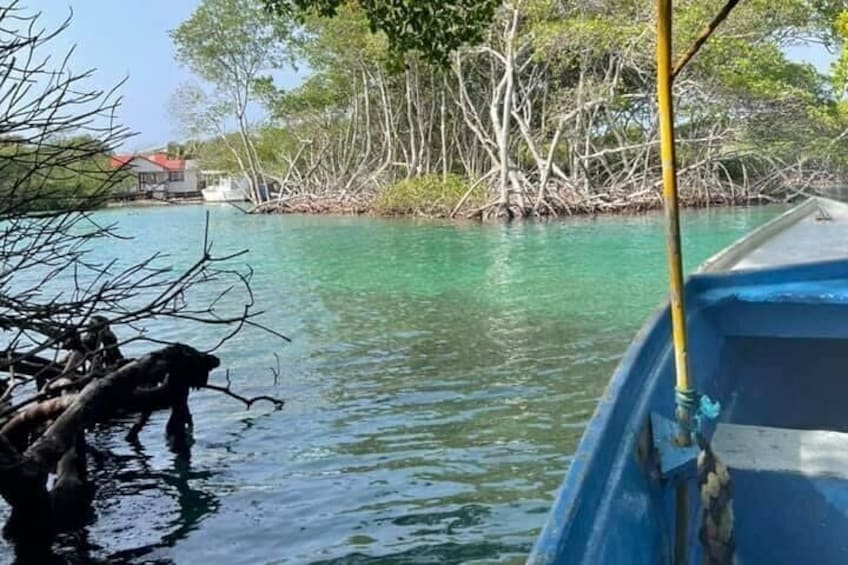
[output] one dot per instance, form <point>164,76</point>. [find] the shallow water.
<point>439,378</point>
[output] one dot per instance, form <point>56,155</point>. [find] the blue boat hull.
<point>772,347</point>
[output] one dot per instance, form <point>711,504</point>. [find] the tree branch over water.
<point>68,313</point>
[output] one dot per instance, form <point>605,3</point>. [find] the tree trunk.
<point>412,157</point>
<point>443,133</point>
<point>506,112</point>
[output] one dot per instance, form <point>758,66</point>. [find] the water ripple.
<point>439,378</point>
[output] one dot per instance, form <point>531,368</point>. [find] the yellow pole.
<point>672,236</point>
<point>675,263</point>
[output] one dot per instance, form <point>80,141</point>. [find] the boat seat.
<point>811,453</point>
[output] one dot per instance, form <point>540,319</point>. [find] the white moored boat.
<point>224,187</point>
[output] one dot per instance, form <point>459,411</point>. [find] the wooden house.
<point>157,176</point>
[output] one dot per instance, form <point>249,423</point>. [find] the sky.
<point>129,38</point>
<point>815,54</point>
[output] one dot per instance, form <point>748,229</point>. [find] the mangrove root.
<point>49,436</point>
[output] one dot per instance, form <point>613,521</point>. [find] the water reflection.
<point>443,553</point>
<point>134,493</point>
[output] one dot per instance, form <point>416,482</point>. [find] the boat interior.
<point>815,230</point>
<point>771,345</point>
<point>776,357</point>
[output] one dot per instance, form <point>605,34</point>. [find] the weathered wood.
<point>28,420</point>
<point>23,363</point>
<point>157,380</point>
<point>103,398</point>
<point>70,496</point>
<point>812,453</point>
<point>103,343</point>
<point>24,487</point>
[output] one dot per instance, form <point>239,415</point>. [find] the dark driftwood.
<point>158,380</point>
<point>98,348</point>
<point>71,494</point>
<point>23,363</point>
<point>44,433</point>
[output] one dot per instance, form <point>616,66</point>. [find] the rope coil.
<point>714,484</point>
<point>716,490</point>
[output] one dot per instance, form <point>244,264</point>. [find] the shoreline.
<point>311,205</point>
<point>152,203</point>
<point>334,206</point>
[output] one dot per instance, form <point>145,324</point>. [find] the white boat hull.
<point>214,194</point>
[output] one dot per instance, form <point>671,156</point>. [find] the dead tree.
<point>65,316</point>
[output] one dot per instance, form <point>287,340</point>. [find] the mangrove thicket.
<point>520,108</point>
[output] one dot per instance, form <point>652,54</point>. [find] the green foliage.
<point>565,32</point>
<point>83,177</point>
<point>216,153</point>
<point>230,41</point>
<point>187,150</point>
<point>78,173</point>
<point>840,67</point>
<point>219,153</point>
<point>433,28</point>
<point>429,195</point>
<point>336,50</point>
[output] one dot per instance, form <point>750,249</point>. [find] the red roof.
<point>171,164</point>
<point>118,161</point>
<point>160,159</point>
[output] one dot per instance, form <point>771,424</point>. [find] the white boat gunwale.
<point>735,256</point>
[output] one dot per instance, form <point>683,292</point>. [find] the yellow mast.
<point>675,262</point>
<point>684,393</point>
<point>672,235</point>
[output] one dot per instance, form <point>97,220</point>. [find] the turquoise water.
<point>439,378</point>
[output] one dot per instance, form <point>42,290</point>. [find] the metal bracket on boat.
<point>674,459</point>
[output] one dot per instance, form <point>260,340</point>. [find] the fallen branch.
<point>248,402</point>
<point>140,385</point>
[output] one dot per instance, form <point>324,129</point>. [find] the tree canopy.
<point>840,69</point>
<point>232,45</point>
<point>433,28</point>
<point>550,104</point>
